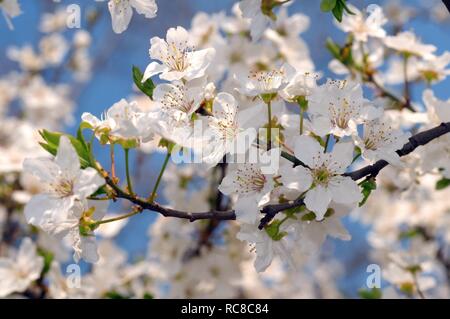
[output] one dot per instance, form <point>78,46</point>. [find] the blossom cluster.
<point>241,93</point>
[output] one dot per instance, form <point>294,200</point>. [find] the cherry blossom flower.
<point>265,247</point>
<point>20,269</point>
<point>438,108</point>
<point>65,185</point>
<point>435,69</point>
<point>123,120</point>
<point>180,100</point>
<point>260,15</point>
<point>227,134</point>
<point>361,26</point>
<point>302,84</point>
<point>407,42</point>
<point>251,9</point>
<point>380,140</point>
<point>258,82</point>
<point>252,187</point>
<point>122,11</point>
<point>337,107</point>
<point>179,59</point>
<point>322,179</point>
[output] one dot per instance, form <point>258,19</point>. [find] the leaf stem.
<point>113,161</point>
<point>406,92</point>
<point>110,220</point>
<point>269,125</point>
<point>127,171</point>
<point>158,181</point>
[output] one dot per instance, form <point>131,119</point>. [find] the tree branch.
<point>415,141</point>
<point>271,211</point>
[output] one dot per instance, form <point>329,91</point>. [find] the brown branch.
<point>271,211</point>
<point>415,141</point>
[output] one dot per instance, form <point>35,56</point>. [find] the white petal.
<point>298,178</point>
<point>224,107</point>
<point>88,182</point>
<point>317,201</point>
<point>342,156</point>
<point>43,168</point>
<point>88,247</point>
<point>306,148</point>
<point>199,61</point>
<point>90,119</point>
<point>246,210</point>
<point>178,36</point>
<point>321,125</point>
<point>121,14</point>
<point>152,69</point>
<point>145,7</point>
<point>44,211</point>
<point>344,190</point>
<point>67,157</point>
<point>264,256</point>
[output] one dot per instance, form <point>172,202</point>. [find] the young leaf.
<point>374,293</point>
<point>273,230</point>
<point>442,183</point>
<point>338,10</point>
<point>52,139</point>
<point>367,187</point>
<point>334,49</point>
<point>327,5</point>
<point>146,87</point>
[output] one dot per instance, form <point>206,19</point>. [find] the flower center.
<point>267,80</point>
<point>322,176</point>
<point>63,187</point>
<point>249,180</point>
<point>177,56</point>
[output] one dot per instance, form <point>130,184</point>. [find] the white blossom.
<point>361,26</point>
<point>337,107</point>
<point>227,134</point>
<point>179,59</point>
<point>20,269</point>
<point>65,186</point>
<point>252,187</point>
<point>322,178</point>
<point>265,247</point>
<point>380,140</point>
<point>407,42</point>
<point>122,11</point>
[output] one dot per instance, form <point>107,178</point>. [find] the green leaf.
<point>374,293</point>
<point>367,187</point>
<point>102,190</point>
<point>148,295</point>
<point>52,139</point>
<point>308,217</point>
<point>338,11</point>
<point>327,5</point>
<point>442,183</point>
<point>273,230</point>
<point>146,87</point>
<point>334,49</point>
<point>411,233</point>
<point>48,258</point>
<point>114,295</point>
